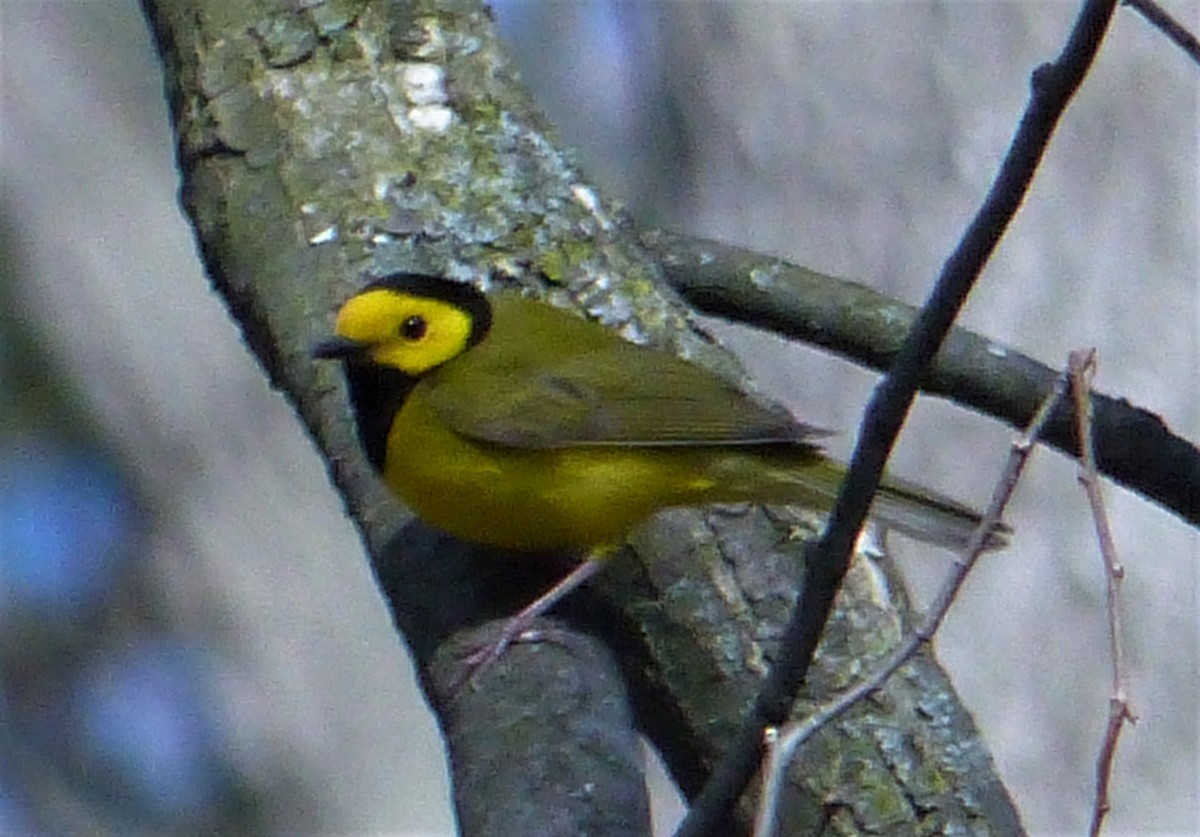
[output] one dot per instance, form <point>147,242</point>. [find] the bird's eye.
<point>413,328</point>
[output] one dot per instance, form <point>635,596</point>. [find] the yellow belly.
<point>579,498</point>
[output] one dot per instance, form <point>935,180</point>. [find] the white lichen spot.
<point>587,198</point>
<point>424,84</point>
<point>431,118</point>
<point>870,543</point>
<point>996,350</point>
<point>381,187</point>
<point>600,284</point>
<point>634,333</point>
<point>284,86</point>
<point>325,236</point>
<point>764,278</point>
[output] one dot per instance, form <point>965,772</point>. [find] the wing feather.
<point>614,393</point>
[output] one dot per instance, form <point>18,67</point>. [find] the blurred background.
<point>190,638</point>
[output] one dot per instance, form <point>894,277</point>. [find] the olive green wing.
<point>615,394</point>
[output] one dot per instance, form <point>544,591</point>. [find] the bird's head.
<point>408,322</point>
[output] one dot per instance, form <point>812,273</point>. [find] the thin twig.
<point>1169,26</point>
<point>1082,366</point>
<point>1052,88</point>
<point>782,744</point>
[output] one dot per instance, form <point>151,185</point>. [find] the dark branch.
<point>1053,86</point>
<point>1133,445</point>
<point>1169,26</point>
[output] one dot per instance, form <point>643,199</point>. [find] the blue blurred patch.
<point>14,816</point>
<point>66,524</point>
<point>145,721</point>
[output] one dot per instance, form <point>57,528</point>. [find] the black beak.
<point>337,348</point>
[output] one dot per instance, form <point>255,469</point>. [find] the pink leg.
<point>481,659</point>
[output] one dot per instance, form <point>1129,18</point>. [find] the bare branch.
<point>1160,19</point>
<point>1082,366</point>
<point>1053,86</point>
<point>782,744</point>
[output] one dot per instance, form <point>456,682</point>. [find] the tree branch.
<point>1161,20</point>
<point>1133,445</point>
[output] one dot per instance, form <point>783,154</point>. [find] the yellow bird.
<point>507,422</point>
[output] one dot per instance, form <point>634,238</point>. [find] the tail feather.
<point>929,517</point>
<point>907,507</point>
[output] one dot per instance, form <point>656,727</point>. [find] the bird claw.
<point>487,653</point>
<point>517,629</point>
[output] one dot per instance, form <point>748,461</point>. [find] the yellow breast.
<point>580,498</point>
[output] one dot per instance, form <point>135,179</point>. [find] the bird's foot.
<point>484,655</point>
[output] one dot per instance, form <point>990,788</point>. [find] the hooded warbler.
<point>507,422</point>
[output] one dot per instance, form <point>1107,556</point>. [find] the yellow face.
<point>411,333</point>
